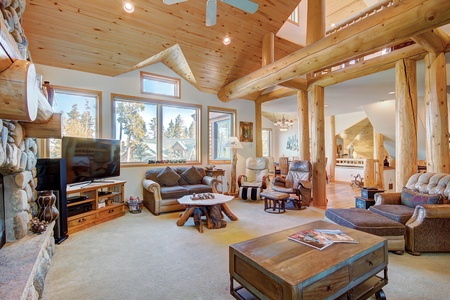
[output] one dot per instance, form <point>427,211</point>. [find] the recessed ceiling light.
<point>128,7</point>
<point>326,105</point>
<point>226,41</point>
<point>391,93</point>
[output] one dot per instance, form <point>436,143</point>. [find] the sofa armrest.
<point>152,195</point>
<point>388,198</point>
<point>427,229</point>
<point>212,182</point>
<point>151,186</point>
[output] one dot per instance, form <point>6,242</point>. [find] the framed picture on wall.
<point>246,132</point>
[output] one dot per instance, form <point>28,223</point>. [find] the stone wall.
<point>17,164</point>
<point>12,14</point>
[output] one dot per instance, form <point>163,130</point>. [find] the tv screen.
<point>88,159</point>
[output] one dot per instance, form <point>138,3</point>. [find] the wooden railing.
<point>370,166</point>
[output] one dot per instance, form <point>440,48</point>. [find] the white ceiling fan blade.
<point>245,5</point>
<point>211,10</point>
<point>170,2</point>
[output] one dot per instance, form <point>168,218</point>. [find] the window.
<point>294,17</point>
<point>221,128</point>
<point>80,115</point>
<point>267,142</point>
<point>160,85</point>
<point>152,131</point>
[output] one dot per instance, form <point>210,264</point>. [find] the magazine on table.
<point>321,238</point>
<point>337,236</point>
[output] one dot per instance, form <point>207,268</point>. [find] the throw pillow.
<point>168,177</point>
<point>192,176</point>
<point>412,198</point>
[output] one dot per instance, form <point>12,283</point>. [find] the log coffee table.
<point>211,208</point>
<point>273,267</point>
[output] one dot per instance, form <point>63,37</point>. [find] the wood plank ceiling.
<point>99,37</point>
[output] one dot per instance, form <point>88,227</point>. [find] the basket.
<point>134,205</point>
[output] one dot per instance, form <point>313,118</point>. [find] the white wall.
<point>129,84</point>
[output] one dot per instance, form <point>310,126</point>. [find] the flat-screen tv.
<point>88,159</point>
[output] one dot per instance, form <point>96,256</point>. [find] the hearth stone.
<point>24,265</point>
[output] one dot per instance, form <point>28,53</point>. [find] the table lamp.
<point>234,144</point>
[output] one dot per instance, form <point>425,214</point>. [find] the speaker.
<point>51,175</point>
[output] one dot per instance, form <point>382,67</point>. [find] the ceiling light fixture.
<point>226,41</point>
<point>128,7</point>
<point>284,124</point>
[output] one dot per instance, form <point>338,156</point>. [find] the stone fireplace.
<point>25,258</point>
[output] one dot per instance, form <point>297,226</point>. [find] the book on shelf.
<point>321,238</point>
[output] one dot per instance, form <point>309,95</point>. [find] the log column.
<point>406,121</point>
<point>318,146</point>
<point>436,113</point>
<point>303,125</point>
<point>333,147</point>
<point>378,154</point>
<point>268,57</point>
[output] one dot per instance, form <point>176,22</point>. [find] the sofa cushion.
<point>412,198</point>
<point>168,177</point>
<point>365,220</point>
<point>173,192</point>
<point>192,176</point>
<point>397,212</point>
<point>198,188</point>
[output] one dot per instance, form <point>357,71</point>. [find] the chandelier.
<point>284,124</point>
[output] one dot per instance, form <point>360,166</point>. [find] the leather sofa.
<point>423,207</point>
<point>163,186</point>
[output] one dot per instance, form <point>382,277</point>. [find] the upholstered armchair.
<point>255,178</point>
<point>256,173</point>
<point>297,181</point>
<point>423,207</point>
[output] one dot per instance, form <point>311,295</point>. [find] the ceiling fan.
<point>211,7</point>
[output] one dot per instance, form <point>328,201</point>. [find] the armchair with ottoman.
<point>422,209</point>
<point>255,179</point>
<point>163,186</point>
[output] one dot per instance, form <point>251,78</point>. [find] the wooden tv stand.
<point>106,200</point>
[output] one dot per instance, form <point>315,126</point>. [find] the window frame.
<point>233,112</point>
<point>159,117</point>
<point>161,78</point>
<point>270,130</point>
<point>296,12</point>
<point>44,150</point>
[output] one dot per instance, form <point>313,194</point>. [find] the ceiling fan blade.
<point>170,2</point>
<point>211,10</point>
<point>245,5</point>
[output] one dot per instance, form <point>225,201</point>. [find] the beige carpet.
<point>146,257</point>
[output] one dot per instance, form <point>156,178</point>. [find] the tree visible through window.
<point>79,115</point>
<point>156,131</point>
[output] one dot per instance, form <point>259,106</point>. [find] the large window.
<point>153,131</point>
<point>294,17</point>
<point>221,128</point>
<point>267,142</point>
<point>160,85</point>
<point>80,115</point>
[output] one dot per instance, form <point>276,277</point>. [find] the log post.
<point>303,125</point>
<point>436,113</point>
<point>406,121</point>
<point>369,172</point>
<point>333,148</point>
<point>318,146</point>
<point>378,154</point>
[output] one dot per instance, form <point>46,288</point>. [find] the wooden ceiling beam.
<point>277,94</point>
<point>367,67</point>
<point>402,20</point>
<point>433,41</point>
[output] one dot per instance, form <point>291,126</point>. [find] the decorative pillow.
<point>411,198</point>
<point>168,177</point>
<point>192,176</point>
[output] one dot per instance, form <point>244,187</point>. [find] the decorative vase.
<point>47,209</point>
<point>50,92</point>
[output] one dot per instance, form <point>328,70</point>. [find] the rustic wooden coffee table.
<point>273,267</point>
<point>210,208</point>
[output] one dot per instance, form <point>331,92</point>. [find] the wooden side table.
<point>365,203</point>
<point>218,174</point>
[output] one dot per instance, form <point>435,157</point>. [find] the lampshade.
<point>233,143</point>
